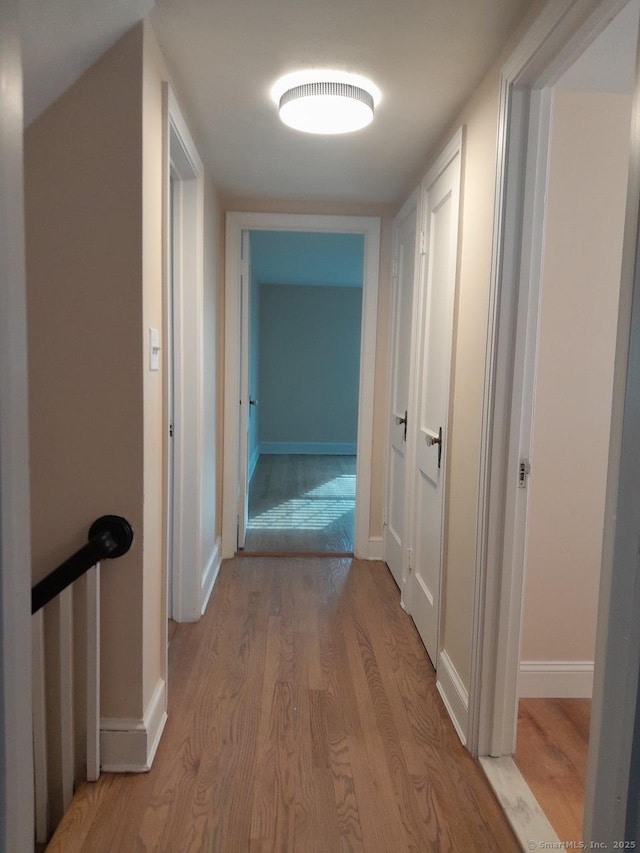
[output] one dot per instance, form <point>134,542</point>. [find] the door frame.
<point>244,415</point>
<point>369,227</point>
<point>16,744</point>
<point>183,566</point>
<point>413,203</point>
<point>558,36</point>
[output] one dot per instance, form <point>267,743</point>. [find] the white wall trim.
<point>128,745</point>
<point>555,679</point>
<point>376,548</point>
<point>321,448</point>
<point>454,695</point>
<point>611,780</point>
<point>183,162</point>
<point>210,575</point>
<point>370,228</point>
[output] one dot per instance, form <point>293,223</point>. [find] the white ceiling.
<point>426,56</point>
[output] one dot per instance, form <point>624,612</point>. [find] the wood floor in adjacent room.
<point>551,754</point>
<point>302,503</point>
<point>303,716</point>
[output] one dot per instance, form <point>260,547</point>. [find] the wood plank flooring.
<point>303,716</point>
<point>551,754</point>
<point>302,504</point>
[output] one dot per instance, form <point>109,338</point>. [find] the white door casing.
<point>236,223</point>
<point>184,503</point>
<point>404,272</point>
<point>16,752</point>
<point>244,411</point>
<point>429,430</point>
<point>169,381</point>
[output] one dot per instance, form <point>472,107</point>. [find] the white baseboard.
<point>210,574</point>
<point>454,695</point>
<point>253,461</point>
<point>128,745</point>
<point>376,548</point>
<point>553,679</point>
<point>324,448</point>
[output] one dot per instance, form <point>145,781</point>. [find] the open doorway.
<point>548,488</point>
<point>242,412</point>
<point>304,331</point>
<point>587,176</point>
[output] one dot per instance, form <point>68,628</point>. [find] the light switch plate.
<point>154,349</point>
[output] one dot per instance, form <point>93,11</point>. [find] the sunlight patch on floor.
<point>317,509</point>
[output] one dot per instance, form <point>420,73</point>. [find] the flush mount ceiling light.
<point>327,102</point>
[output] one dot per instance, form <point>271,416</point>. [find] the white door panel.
<point>432,383</point>
<point>402,300</point>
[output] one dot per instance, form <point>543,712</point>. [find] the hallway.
<point>303,716</point>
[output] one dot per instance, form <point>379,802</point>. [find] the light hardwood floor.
<point>551,754</point>
<point>300,503</point>
<point>303,716</point>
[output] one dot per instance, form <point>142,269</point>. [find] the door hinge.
<point>384,517</point>
<point>524,469</point>
<point>170,430</point>
<point>394,268</point>
<point>409,558</point>
<point>423,243</point>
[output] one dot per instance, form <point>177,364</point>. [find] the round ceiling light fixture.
<point>326,102</point>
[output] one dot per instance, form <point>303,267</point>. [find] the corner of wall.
<point>129,745</point>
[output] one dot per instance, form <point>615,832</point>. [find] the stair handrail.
<point>110,536</point>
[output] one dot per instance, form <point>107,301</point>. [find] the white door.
<point>243,444</point>
<point>404,274</point>
<point>441,191</point>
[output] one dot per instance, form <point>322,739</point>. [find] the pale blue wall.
<point>309,368</point>
<point>305,344</point>
<point>297,257</point>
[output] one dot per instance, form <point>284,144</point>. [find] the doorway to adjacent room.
<point>300,332</point>
<point>304,332</point>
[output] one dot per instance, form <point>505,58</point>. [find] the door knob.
<point>403,420</point>
<point>433,439</point>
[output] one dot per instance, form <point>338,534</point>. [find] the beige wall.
<point>470,336</point>
<point>480,119</point>
<point>385,213</point>
<point>83,182</point>
<point>579,307</point>
<point>94,164</point>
